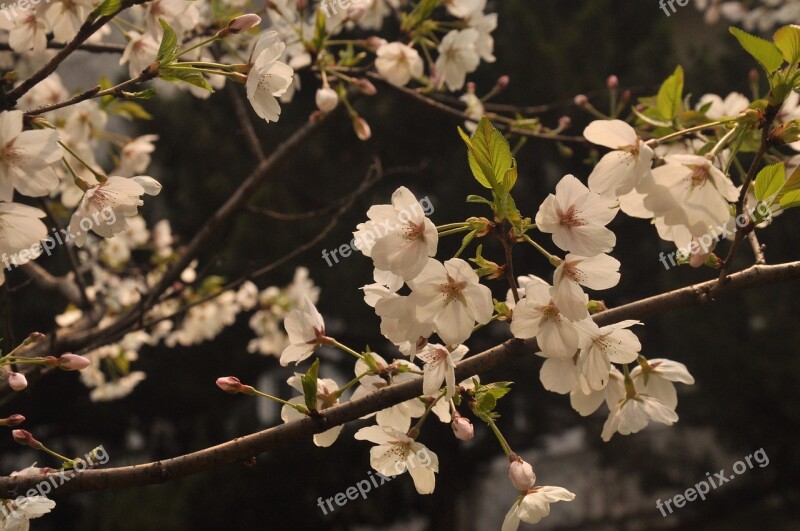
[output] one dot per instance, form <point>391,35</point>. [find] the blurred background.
<point>742,351</point>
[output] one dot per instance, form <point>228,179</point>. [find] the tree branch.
<point>42,278</point>
<point>244,448</point>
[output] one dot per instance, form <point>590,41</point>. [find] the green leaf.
<point>769,182</point>
<point>130,110</point>
<point>188,76</point>
<point>108,7</point>
<point>762,50</point>
<point>787,39</point>
<point>472,198</point>
<point>670,95</point>
<point>489,155</point>
<point>510,178</point>
<point>169,44</point>
<point>309,381</point>
<point>790,199</point>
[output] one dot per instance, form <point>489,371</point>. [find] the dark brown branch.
<point>99,47</point>
<point>244,448</point>
<point>758,249</point>
<point>42,278</point>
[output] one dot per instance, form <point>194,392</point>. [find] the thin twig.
<point>758,249</point>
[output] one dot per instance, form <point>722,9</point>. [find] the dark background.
<point>742,351</point>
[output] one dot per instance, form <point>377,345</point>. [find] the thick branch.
<point>243,448</point>
<point>45,280</point>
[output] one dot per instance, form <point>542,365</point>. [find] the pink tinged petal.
<point>585,404</point>
<point>511,521</point>
<point>658,411</point>
<point>296,354</point>
<point>558,337</point>
<point>432,274</point>
<point>569,297</point>
<point>599,272</point>
<point>433,376</point>
<point>394,417</point>
<point>595,367</point>
<point>10,125</point>
<point>556,494</point>
<point>617,173</point>
<point>612,134</point>
<point>424,478</point>
<point>559,375</point>
<point>479,302</point>
<point>658,388</point>
<point>586,240</point>
<point>624,347</point>
<point>328,437</point>
<point>527,319</point>
<point>672,370</point>
<point>453,323</point>
<point>385,459</point>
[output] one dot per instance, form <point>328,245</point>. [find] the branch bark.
<point>244,448</point>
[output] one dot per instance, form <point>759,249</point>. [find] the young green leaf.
<point>769,182</point>
<point>168,49</point>
<point>763,51</point>
<point>670,95</point>
<point>309,381</point>
<point>787,39</point>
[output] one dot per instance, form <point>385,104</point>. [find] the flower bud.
<point>564,122</point>
<point>362,129</point>
<point>462,428</point>
<point>232,385</point>
<point>581,100</point>
<point>612,82</point>
<point>17,381</point>
<point>25,438</point>
<point>502,83</point>
<point>34,337</point>
<point>596,307</point>
<point>14,420</point>
<point>365,87</point>
<point>521,474</point>
<point>244,23</point>
<point>327,99</point>
<point>73,362</point>
<point>373,43</point>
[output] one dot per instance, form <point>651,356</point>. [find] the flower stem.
<point>346,349</point>
<point>500,438</point>
<point>658,141</point>
<point>414,431</point>
<point>553,259</point>
<point>299,407</point>
<point>455,231</point>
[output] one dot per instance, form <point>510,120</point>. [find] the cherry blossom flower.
<point>398,237</point>
<point>596,272</point>
<point>398,63</point>
<point>601,346</point>
<point>534,502</point>
<point>134,158</point>
<point>633,412</point>
<point>400,322</point>
<point>576,217</point>
<point>451,296</point>
<point>326,397</point>
<point>269,78</point>
<point>306,331</point>
<point>689,193</point>
<point>440,366</point>
<point>26,158</point>
<point>538,315</point>
<point>464,8</point>
<point>485,24</point>
<point>326,99</point>
<point>619,171</point>
<point>396,453</point>
<point>27,31</point>
<point>731,106</point>
<point>17,514</point>
<point>458,56</point>
<point>65,18</point>
<point>462,428</point>
<point>585,401</point>
<point>657,381</point>
<point>140,52</point>
<point>120,196</point>
<point>20,231</point>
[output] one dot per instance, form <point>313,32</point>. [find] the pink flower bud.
<point>521,474</point>
<point>17,381</point>
<point>502,83</point>
<point>73,362</point>
<point>34,337</point>
<point>14,420</point>
<point>362,129</point>
<point>471,87</point>
<point>327,99</point>
<point>581,100</point>
<point>301,4</point>
<point>564,122</point>
<point>25,438</point>
<point>51,361</point>
<point>244,22</point>
<point>365,87</point>
<point>373,43</point>
<point>612,82</point>
<point>232,385</point>
<point>462,428</point>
